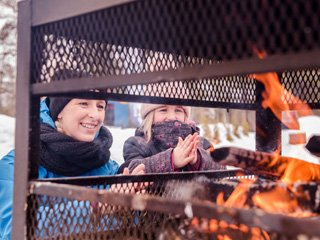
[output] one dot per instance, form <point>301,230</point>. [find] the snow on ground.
<point>309,125</point>
<point>7,126</point>
<point>120,135</point>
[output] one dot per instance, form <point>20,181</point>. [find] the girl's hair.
<point>147,122</point>
<point>146,125</point>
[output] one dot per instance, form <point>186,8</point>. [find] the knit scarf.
<point>63,155</point>
<point>165,134</point>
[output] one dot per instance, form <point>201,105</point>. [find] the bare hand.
<point>132,188</point>
<point>140,169</point>
<point>186,151</point>
<point>129,187</point>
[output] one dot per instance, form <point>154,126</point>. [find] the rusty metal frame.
<point>97,180</point>
<point>21,165</point>
<point>55,10</point>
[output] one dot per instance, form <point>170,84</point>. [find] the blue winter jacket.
<point>6,178</point>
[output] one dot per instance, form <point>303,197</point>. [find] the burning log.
<point>269,164</point>
<point>275,197</point>
<point>256,162</point>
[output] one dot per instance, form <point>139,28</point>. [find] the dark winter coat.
<point>156,154</point>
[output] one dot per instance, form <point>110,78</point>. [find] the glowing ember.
<point>226,231</point>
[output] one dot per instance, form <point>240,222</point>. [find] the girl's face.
<point>81,119</point>
<point>168,113</point>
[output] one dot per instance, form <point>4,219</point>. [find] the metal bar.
<point>54,10</point>
<point>238,67</point>
<point>251,218</point>
<point>22,121</point>
<point>34,153</point>
<point>84,181</point>
<point>177,101</point>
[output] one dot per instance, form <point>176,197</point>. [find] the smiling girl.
<point>167,142</point>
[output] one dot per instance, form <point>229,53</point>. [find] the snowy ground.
<point>7,126</point>
<point>309,125</point>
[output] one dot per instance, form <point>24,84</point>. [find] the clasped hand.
<point>186,151</point>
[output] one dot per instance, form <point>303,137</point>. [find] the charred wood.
<point>305,196</point>
<point>265,164</point>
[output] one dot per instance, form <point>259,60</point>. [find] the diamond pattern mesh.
<point>73,217</point>
<point>153,36</point>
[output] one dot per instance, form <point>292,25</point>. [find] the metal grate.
<point>304,84</point>
<point>61,209</point>
<point>159,32</point>
<point>151,36</point>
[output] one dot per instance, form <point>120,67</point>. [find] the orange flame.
<point>291,169</point>
<point>238,197</point>
<point>282,200</point>
<point>274,96</point>
<point>277,200</point>
<point>301,171</point>
<point>211,149</point>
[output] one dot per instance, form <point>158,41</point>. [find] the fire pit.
<point>198,53</point>
<point>175,206</point>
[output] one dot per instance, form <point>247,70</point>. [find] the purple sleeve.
<point>158,163</point>
<point>174,170</point>
<point>195,168</point>
<point>207,163</point>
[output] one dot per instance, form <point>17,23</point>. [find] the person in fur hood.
<point>167,142</point>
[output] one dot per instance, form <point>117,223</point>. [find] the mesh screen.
<point>151,36</point>
<point>63,215</point>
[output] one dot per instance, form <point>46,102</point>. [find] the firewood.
<point>256,162</point>
<point>293,198</point>
<point>268,164</point>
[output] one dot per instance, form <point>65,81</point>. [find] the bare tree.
<point>8,53</point>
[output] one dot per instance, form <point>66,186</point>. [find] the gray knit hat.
<point>146,108</point>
